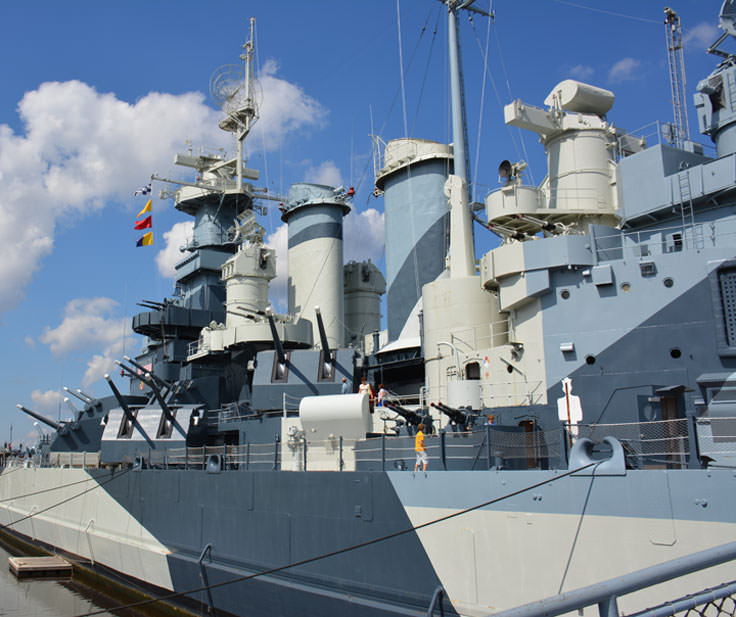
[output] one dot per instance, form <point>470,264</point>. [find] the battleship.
<point>574,385</point>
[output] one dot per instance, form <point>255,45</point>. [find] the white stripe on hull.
<point>489,561</point>
<point>93,526</point>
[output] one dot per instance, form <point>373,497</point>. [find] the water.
<point>42,597</point>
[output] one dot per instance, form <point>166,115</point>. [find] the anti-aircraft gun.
<point>460,419</point>
<point>412,418</point>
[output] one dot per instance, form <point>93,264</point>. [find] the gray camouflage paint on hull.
<point>272,519</point>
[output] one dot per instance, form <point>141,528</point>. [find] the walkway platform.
<point>40,567</point>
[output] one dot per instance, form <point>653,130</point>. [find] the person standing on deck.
<point>419,448</point>
<point>382,396</point>
<point>365,387</point>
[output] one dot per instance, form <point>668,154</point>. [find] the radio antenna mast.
<point>675,58</point>
<point>231,86</point>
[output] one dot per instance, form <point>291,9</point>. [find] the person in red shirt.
<point>419,448</point>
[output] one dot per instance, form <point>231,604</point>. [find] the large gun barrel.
<point>322,335</point>
<point>54,425</point>
<point>276,340</point>
<point>121,400</point>
<point>457,417</point>
<point>327,358</point>
<point>411,417</point>
<point>144,370</point>
<point>80,395</point>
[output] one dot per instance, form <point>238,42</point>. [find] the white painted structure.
<point>458,313</point>
<point>247,275</point>
<point>314,216</point>
<point>573,129</point>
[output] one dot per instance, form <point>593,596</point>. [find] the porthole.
<point>675,353</point>
<point>565,294</point>
<point>625,287</point>
<point>509,368</point>
<point>590,360</point>
<point>668,282</point>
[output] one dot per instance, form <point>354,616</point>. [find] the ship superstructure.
<point>574,384</point>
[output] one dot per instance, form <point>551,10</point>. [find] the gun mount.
<point>459,418</point>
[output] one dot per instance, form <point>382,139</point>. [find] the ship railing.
<point>643,244</point>
<point>229,412</point>
<point>232,412</point>
<point>716,601</point>
<point>81,460</point>
<point>253,456</point>
<point>672,444</point>
<point>488,448</point>
<point>401,152</point>
<point>652,134</point>
<point>481,337</point>
<point>220,236</point>
<point>406,400</point>
<point>289,402</point>
<point>509,393</point>
<point>660,443</point>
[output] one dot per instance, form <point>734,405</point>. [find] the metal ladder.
<point>687,210</point>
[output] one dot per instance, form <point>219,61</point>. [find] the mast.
<point>248,111</point>
<point>457,88</point>
<point>462,254</point>
<point>457,94</point>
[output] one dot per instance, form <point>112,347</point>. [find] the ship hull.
<point>567,532</point>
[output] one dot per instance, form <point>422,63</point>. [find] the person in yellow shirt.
<point>419,448</point>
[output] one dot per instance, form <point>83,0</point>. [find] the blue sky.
<point>96,96</point>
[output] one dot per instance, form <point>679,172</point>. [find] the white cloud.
<point>30,341</point>
<point>327,173</point>
<point>364,235</point>
<point>277,290</point>
<point>81,149</point>
<point>102,363</point>
<point>701,36</point>
<point>623,70</point>
<point>284,108</point>
<point>582,71</point>
<point>168,257</point>
<point>90,323</point>
<point>46,402</point>
<point>86,323</point>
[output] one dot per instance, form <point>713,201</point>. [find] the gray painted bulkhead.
<point>260,520</point>
<point>641,305</point>
<point>417,223</point>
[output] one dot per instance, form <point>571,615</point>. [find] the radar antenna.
<point>727,23</point>
<point>231,87</point>
<point>673,33</point>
